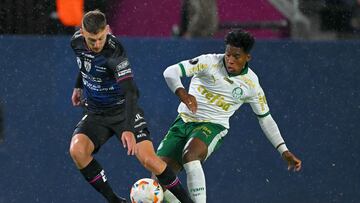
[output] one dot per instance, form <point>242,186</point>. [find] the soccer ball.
<point>146,190</point>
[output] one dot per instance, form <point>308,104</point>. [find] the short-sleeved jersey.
<point>101,72</point>
<point>219,94</point>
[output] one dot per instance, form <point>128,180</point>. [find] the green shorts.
<point>179,134</point>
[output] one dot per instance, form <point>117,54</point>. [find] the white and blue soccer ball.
<point>146,190</point>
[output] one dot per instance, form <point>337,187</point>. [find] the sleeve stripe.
<point>183,73</point>
<point>264,115</point>
<point>280,145</point>
<point>123,78</point>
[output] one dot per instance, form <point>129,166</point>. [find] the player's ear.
<point>107,28</point>
<point>248,57</point>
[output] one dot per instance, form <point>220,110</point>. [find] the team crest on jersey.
<point>193,61</point>
<point>87,65</point>
<point>237,93</point>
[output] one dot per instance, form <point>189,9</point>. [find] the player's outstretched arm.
<point>272,132</point>
<point>292,161</point>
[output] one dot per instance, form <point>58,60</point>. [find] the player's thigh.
<point>95,129</point>
<point>210,134</point>
<point>173,144</point>
<point>195,149</point>
<point>141,131</point>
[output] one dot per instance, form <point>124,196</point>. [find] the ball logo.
<point>237,93</point>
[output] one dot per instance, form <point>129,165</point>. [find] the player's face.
<point>235,59</point>
<point>95,42</point>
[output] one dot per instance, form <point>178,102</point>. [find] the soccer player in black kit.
<point>105,81</point>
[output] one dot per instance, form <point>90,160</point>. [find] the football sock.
<point>171,182</point>
<point>170,197</point>
<point>95,175</point>
<point>196,181</point>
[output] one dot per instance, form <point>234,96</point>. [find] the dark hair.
<point>241,39</point>
<point>94,21</point>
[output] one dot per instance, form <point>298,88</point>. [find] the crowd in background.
<point>197,18</point>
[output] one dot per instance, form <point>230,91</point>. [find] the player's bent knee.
<point>80,147</point>
<point>192,156</point>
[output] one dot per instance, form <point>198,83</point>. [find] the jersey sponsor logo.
<point>228,80</point>
<point>205,130</point>
<point>214,98</point>
<point>237,93</point>
<point>193,61</point>
<point>89,77</point>
<point>138,117</point>
<point>97,88</point>
<point>199,67</point>
<point>122,65</point>
<point>140,135</point>
<point>88,55</point>
<point>124,72</point>
<point>262,101</point>
<point>100,69</point>
<point>248,81</point>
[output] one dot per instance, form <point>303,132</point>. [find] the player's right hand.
<point>129,142</point>
<point>292,161</point>
<point>76,97</point>
<point>188,99</point>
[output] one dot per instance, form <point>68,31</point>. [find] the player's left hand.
<point>292,161</point>
<point>188,99</point>
<point>129,142</point>
<point>76,97</point>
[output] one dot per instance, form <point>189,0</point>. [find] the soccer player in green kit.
<point>220,84</point>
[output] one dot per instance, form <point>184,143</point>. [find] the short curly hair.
<point>241,39</point>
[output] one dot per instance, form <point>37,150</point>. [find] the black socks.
<point>95,175</point>
<point>170,181</point>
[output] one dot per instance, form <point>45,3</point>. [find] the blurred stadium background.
<point>306,56</point>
